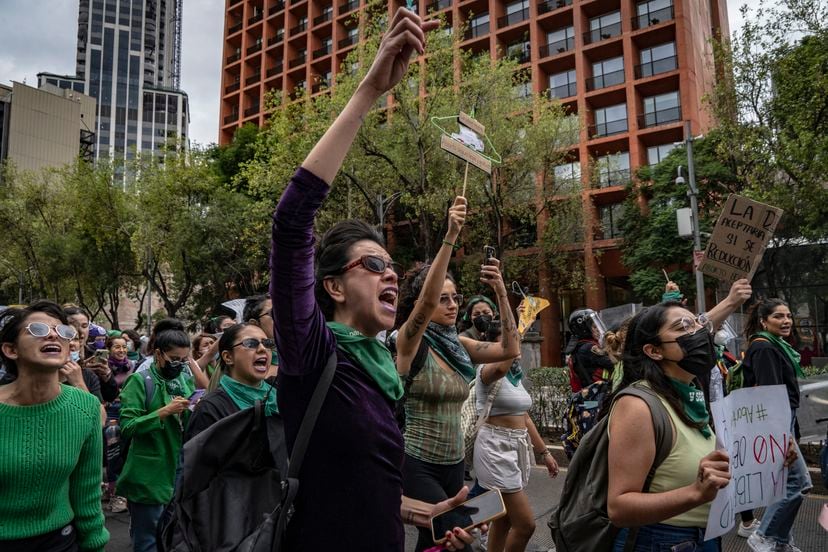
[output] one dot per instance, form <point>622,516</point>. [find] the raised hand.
<point>491,276</point>
<point>456,218</point>
<point>405,35</point>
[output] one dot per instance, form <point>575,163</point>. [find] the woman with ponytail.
<point>244,359</point>
<point>771,360</point>
<point>666,350</point>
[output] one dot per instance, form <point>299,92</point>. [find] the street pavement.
<point>543,495</point>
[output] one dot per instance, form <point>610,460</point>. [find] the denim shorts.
<point>668,538</point>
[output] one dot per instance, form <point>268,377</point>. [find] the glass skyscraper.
<point>128,59</point>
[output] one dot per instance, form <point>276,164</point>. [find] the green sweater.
<point>50,468</point>
<point>148,475</point>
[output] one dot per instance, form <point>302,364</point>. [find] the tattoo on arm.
<point>413,326</point>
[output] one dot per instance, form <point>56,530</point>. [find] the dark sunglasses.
<point>457,298</point>
<point>252,343</point>
<point>41,329</point>
<point>375,264</point>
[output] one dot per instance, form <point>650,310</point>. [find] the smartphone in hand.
<point>102,355</point>
<point>481,509</point>
<point>489,253</point>
<point>195,397</point>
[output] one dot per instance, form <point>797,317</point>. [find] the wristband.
<point>545,452</point>
<point>454,246</point>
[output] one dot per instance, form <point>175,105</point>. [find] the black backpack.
<point>580,523</point>
<point>233,495</point>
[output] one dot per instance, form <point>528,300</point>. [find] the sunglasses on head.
<point>375,264</point>
<point>457,298</point>
<point>253,343</point>
<point>41,329</point>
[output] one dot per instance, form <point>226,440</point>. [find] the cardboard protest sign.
<point>739,239</point>
<point>753,425</point>
<point>532,307</point>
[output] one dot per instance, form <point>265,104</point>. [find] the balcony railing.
<point>520,54</point>
<point>348,6</point>
<point>275,39</point>
<point>275,8</point>
<point>609,128</point>
<point>252,110</point>
<point>655,67</point>
<point>255,77</point>
<point>234,58</point>
<point>607,79</point>
<point>256,18</point>
<point>300,28</point>
<point>653,18</point>
<point>235,28</point>
<point>439,5</point>
<point>476,31</point>
<point>603,33</point>
<point>297,61</point>
<point>232,87</point>
<point>563,91</point>
<point>325,16</point>
<point>557,47</point>
<point>323,51</point>
<point>255,48</point>
<point>234,116</point>
<point>348,41</point>
<point>618,177</point>
<point>552,5</point>
<point>660,117</point>
<point>513,18</point>
<point>275,70</point>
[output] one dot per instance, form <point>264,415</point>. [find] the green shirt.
<point>148,475</point>
<point>50,468</point>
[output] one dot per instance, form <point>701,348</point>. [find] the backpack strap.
<point>417,364</point>
<point>663,429</point>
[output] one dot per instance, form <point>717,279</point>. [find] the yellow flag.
<point>529,309</point>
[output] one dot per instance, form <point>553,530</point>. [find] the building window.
<point>562,85</point>
<point>610,120</point>
<point>611,217</point>
<point>606,73</point>
<point>658,59</point>
<point>478,26</point>
<point>603,27</point>
<point>568,178</point>
<point>515,13</point>
<point>559,41</point>
<point>518,51</point>
<point>657,154</point>
<point>661,109</point>
<point>523,90</point>
<point>613,169</point>
<point>652,12</point>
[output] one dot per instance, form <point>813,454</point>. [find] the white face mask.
<point>130,346</point>
<point>74,356</point>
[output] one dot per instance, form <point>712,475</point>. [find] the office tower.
<point>128,59</point>
<point>632,71</point>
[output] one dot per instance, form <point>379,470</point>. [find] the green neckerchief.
<point>787,350</point>
<point>444,341</point>
<point>692,398</point>
<point>515,373</point>
<point>246,396</point>
<point>133,356</point>
<point>371,355</point>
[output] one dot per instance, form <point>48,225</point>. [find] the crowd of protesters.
<point>92,419</point>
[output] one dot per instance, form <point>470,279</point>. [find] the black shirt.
<point>215,406</point>
<point>765,364</point>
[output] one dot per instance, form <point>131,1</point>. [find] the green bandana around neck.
<point>245,396</point>
<point>371,355</point>
<point>692,399</point>
<point>444,341</point>
<point>515,373</point>
<point>786,348</point>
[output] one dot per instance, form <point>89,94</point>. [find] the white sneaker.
<point>758,543</point>
<point>745,531</point>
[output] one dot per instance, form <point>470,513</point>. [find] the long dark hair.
<point>332,255</point>
<point>411,288</point>
<point>759,312</point>
<point>644,329</point>
<point>11,324</point>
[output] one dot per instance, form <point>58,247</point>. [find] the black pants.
<point>59,540</point>
<point>430,483</point>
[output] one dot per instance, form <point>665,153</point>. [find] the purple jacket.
<point>350,481</point>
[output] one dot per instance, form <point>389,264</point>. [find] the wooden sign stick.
<point>465,179</point>
<point>666,277</point>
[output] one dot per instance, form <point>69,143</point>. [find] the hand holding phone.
<point>195,397</point>
<point>102,355</point>
<point>489,253</point>
<point>481,509</point>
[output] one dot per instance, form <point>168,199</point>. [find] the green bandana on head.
<point>371,355</point>
<point>692,399</point>
<point>786,348</point>
<point>245,396</point>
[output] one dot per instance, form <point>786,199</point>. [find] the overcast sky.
<point>41,35</point>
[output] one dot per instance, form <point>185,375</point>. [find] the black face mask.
<point>172,369</point>
<point>699,353</point>
<point>481,323</point>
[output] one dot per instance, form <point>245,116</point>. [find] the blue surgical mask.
<point>74,355</point>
